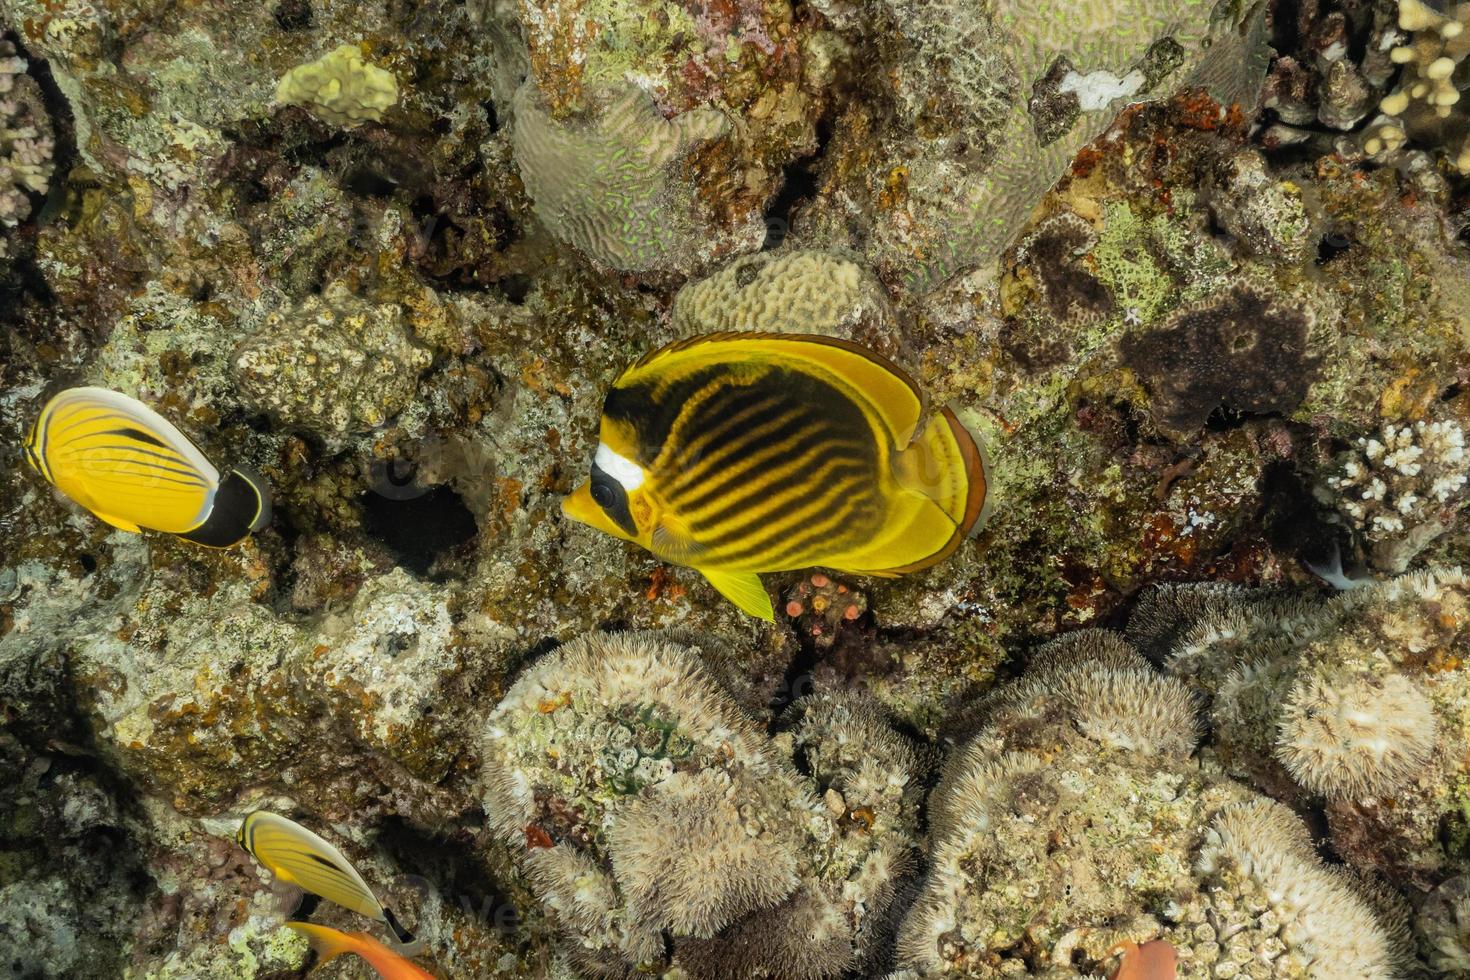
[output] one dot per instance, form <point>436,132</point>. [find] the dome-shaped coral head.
<point>737,454</point>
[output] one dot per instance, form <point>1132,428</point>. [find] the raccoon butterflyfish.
<point>133,468</point>
<point>297,856</point>
<point>738,454</point>
<point>331,943</point>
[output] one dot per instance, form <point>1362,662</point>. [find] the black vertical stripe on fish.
<point>651,409</point>
<point>238,504</point>
<point>796,494</point>
<point>842,499</point>
<point>755,452</point>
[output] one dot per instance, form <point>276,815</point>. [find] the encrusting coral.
<point>340,87</point>
<point>1074,820</point>
<point>613,746</point>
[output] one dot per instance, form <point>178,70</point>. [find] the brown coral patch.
<point>1245,353</point>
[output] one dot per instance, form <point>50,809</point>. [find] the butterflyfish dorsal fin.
<point>868,376</point>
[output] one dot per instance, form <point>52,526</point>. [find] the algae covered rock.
<point>335,364</point>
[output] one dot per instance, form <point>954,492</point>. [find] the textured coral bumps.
<point>1362,699</point>
<point>26,144</point>
<point>644,803</point>
<point>1075,819</point>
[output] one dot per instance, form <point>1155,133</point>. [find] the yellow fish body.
<point>297,856</point>
<point>738,454</point>
<point>133,468</point>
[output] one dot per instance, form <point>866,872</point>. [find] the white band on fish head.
<point>628,473</point>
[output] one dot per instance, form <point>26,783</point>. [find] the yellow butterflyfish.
<point>738,454</point>
<point>297,856</point>
<point>132,468</point>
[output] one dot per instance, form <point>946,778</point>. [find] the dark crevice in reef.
<point>798,185</point>
<point>424,530</point>
<point>449,865</point>
<point>1294,523</point>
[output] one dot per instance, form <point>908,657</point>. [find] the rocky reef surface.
<point>1197,273</point>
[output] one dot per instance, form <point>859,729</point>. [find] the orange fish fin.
<point>329,943</point>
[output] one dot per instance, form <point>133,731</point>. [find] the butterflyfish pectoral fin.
<point>118,523</point>
<point>672,541</point>
<point>745,590</point>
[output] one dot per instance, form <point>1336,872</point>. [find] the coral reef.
<point>1360,698</point>
<point>1074,820</point>
<point>611,744</point>
<point>26,144</point>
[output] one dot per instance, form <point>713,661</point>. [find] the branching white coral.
<point>1401,486</point>
<point>1359,736</point>
<point>26,144</point>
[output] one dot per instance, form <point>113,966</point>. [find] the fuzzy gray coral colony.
<point>1197,275</point>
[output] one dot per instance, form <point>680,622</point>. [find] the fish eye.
<point>603,495</point>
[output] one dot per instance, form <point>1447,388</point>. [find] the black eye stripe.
<point>609,494</point>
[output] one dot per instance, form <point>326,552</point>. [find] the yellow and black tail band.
<point>401,934</point>
<point>241,504</point>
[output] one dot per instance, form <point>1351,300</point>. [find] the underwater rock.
<point>333,365</point>
<point>607,746</point>
<point>1062,824</point>
<point>1360,698</point>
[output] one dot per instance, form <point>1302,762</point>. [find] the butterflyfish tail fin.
<point>745,590</point>
<point>946,464</point>
<point>401,934</point>
<point>241,504</point>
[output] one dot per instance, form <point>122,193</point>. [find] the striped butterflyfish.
<point>133,468</point>
<point>299,857</point>
<point>744,453</point>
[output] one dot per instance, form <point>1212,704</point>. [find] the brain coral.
<point>335,364</point>
<point>795,292</point>
<point>1074,819</point>
<point>615,186</point>
<point>613,747</point>
<point>1035,82</point>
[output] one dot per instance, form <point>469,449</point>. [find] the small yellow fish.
<point>132,468</point>
<point>738,454</point>
<point>331,943</point>
<point>297,856</point>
